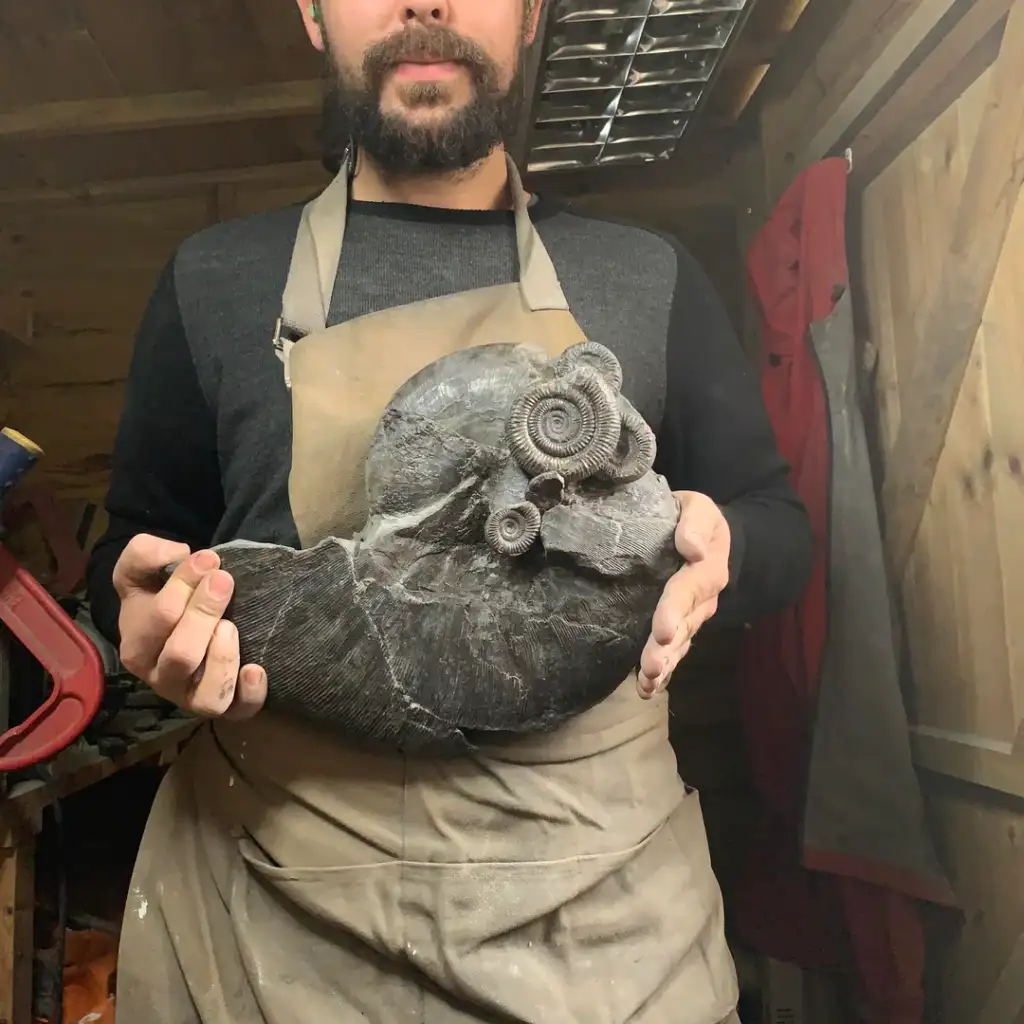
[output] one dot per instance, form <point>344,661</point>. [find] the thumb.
<point>690,544</point>
<point>141,561</point>
<point>698,519</point>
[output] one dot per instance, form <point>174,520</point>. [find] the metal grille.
<point>621,79</point>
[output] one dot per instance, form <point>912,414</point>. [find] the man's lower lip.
<point>441,69</point>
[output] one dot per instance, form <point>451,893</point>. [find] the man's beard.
<point>352,107</point>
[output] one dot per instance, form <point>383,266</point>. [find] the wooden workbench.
<point>20,821</point>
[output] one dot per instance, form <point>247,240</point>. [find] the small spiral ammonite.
<point>634,454</point>
<point>568,426</point>
<point>595,356</point>
<point>511,531</point>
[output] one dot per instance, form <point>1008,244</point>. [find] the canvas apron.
<point>563,879</point>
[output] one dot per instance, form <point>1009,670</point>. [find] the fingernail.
<point>220,584</point>
<point>253,677</point>
<point>204,561</point>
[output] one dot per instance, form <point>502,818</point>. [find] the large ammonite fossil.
<point>516,546</point>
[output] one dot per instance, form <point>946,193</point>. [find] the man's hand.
<point>690,597</point>
<point>173,636</point>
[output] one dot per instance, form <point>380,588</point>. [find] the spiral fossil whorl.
<point>591,354</point>
<point>569,425</point>
<point>635,452</point>
<point>511,531</point>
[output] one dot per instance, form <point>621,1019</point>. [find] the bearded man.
<point>284,877</point>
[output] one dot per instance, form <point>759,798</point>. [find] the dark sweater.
<point>203,449</point>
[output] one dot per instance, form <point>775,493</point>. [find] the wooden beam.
<point>970,760</point>
<point>270,175</point>
<point>17,904</point>
<point>816,22</point>
<point>700,166</point>
<point>162,110</point>
<point>866,50</point>
<point>957,60</point>
<point>991,189</point>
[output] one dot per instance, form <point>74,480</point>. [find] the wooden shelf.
<point>20,819</point>
<point>76,770</point>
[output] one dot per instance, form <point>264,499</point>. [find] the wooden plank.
<point>89,193</point>
<point>980,837</point>
<point>1006,1000</point>
<point>156,46</point>
<point>987,203</point>
<point>962,602</point>
<point>873,79</point>
<point>16,318</point>
<point>162,110</point>
<point>666,175</point>
<point>75,426</point>
<point>814,23</point>
<point>972,759</point>
<point>75,770</point>
<point>867,48</point>
<point>17,905</point>
<point>944,74</point>
<point>47,54</point>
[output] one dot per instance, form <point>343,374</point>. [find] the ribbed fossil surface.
<point>516,545</point>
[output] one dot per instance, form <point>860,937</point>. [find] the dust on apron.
<point>283,879</point>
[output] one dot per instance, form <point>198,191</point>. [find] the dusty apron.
<point>563,879</point>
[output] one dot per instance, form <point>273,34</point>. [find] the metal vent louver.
<point>621,79</point>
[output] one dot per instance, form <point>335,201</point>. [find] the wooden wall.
<point>925,95</point>
<point>963,592</point>
<point>83,272</point>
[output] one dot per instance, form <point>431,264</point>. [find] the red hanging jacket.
<point>797,271</point>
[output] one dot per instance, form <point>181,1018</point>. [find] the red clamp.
<point>64,650</point>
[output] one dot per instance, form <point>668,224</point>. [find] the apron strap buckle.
<point>285,335</point>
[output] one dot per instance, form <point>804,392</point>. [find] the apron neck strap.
<point>317,253</point>
<point>538,280</point>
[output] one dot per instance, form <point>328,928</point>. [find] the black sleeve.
<point>165,478</point>
<point>716,438</point>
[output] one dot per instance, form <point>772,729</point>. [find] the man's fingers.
<point>177,593</point>
<point>658,661</point>
<point>250,694</point>
<point>683,592</point>
<point>141,561</point>
<point>213,686</point>
<point>149,615</point>
<point>648,688</point>
<point>187,643</point>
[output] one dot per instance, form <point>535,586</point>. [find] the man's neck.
<point>484,186</point>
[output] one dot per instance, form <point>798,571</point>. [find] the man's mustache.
<point>435,43</point>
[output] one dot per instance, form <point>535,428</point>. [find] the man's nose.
<point>426,12</point>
